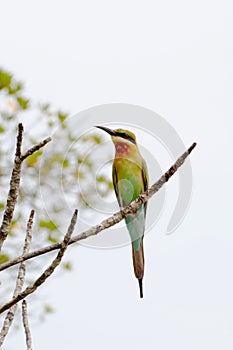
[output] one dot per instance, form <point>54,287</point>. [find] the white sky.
<point>174,57</point>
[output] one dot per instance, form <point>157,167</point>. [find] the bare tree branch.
<point>19,282</point>
<point>112,220</point>
<point>15,181</point>
<point>14,189</point>
<point>19,140</point>
<point>26,325</point>
<point>35,148</point>
<point>47,273</point>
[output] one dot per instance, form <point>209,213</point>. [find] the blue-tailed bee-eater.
<point>130,178</point>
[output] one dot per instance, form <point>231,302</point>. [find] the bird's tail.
<point>138,264</point>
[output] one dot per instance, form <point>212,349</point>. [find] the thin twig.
<point>43,277</point>
<point>35,148</point>
<point>19,140</point>
<point>15,182</point>
<point>26,325</point>
<point>112,220</point>
<point>19,282</point>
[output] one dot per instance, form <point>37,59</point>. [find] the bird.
<point>130,179</point>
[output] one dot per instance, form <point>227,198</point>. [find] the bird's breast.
<point>122,149</point>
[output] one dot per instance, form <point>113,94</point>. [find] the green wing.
<point>136,222</point>
<point>115,184</point>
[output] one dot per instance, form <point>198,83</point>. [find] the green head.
<point>119,135</point>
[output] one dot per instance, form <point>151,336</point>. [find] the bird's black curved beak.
<point>109,131</point>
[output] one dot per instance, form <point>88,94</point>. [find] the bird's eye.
<point>126,136</point>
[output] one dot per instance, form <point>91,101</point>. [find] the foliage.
<point>52,178</point>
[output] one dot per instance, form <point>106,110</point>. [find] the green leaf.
<point>79,174</point>
<point>85,161</point>
<point>65,163</point>
<point>2,129</point>
<point>32,159</point>
<point>97,139</point>
<point>72,138</point>
<point>110,185</point>
<point>52,239</point>
<point>50,225</point>
<point>67,266</point>
<point>4,258</point>
<point>44,107</point>
<point>18,87</point>
<point>23,102</point>
<point>92,137</point>
<point>2,206</point>
<point>48,309</point>
<point>50,124</point>
<point>5,80</point>
<point>62,117</point>
<point>13,90</point>
<point>57,158</point>
<point>101,178</point>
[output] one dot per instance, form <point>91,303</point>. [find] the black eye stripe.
<point>126,136</point>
